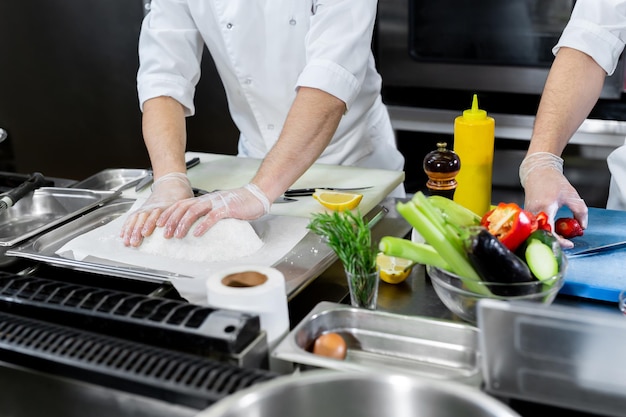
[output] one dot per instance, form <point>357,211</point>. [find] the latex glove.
<point>166,191</point>
<point>246,203</point>
<point>547,189</point>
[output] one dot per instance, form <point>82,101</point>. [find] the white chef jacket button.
<point>229,26</point>
<point>247,81</point>
<point>292,22</point>
<point>270,127</point>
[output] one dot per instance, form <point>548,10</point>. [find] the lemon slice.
<point>336,200</point>
<point>392,269</point>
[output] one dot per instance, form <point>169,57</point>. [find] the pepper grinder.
<point>442,165</point>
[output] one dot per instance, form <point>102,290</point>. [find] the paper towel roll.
<point>254,289</point>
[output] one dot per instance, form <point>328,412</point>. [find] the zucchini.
<point>496,264</point>
<point>542,253</point>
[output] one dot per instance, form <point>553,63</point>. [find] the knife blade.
<point>149,177</point>
<point>301,192</point>
<point>598,249</point>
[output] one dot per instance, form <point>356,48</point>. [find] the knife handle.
<point>192,162</point>
<point>299,192</point>
<point>35,181</point>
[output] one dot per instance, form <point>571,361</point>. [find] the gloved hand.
<point>166,191</point>
<point>547,189</point>
<point>246,203</point>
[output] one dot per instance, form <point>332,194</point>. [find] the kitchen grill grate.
<point>172,324</point>
<point>172,376</point>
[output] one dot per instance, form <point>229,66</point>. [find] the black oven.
<point>477,45</point>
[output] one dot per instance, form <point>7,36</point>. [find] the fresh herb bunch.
<point>348,235</point>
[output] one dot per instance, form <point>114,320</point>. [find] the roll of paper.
<point>254,289</point>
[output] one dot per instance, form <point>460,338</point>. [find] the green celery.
<point>434,236</point>
<point>454,212</point>
<point>442,236</point>
<point>421,253</point>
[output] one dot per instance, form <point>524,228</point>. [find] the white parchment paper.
<point>278,233</point>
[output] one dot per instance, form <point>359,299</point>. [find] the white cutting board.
<point>226,171</point>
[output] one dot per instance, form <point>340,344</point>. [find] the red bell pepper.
<point>542,222</point>
<point>510,224</point>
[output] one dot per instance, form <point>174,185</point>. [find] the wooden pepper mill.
<point>442,166</point>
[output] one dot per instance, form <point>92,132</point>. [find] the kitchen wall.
<point>67,89</point>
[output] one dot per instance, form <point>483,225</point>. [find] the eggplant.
<point>496,264</point>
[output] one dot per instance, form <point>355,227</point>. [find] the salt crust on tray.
<point>228,239</point>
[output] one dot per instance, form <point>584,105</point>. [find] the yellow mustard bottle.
<point>474,137</point>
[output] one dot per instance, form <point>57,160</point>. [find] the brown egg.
<point>331,345</point>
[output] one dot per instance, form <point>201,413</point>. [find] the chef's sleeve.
<point>170,52</point>
<point>338,47</point>
<point>597,28</point>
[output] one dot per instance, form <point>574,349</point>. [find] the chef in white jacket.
<point>588,50</point>
<point>301,86</point>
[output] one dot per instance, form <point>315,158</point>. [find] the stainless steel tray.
<point>112,179</point>
<point>44,209</point>
<point>388,342</point>
<point>300,265</point>
<point>303,263</point>
<point>44,248</point>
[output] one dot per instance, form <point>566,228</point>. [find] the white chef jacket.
<point>598,28</point>
<point>263,51</point>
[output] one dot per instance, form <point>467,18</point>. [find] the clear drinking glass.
<point>363,289</point>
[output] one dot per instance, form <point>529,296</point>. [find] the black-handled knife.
<point>11,197</point>
<point>301,192</point>
<point>145,181</point>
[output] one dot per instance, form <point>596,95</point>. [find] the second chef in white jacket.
<point>301,86</point>
<point>587,51</point>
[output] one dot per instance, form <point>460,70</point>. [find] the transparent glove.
<point>166,191</point>
<point>547,189</point>
<point>246,203</point>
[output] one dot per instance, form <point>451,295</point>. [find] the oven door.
<point>478,45</point>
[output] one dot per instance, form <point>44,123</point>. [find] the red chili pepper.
<point>510,224</point>
<point>568,227</point>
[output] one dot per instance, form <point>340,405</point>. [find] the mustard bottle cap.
<point>475,113</point>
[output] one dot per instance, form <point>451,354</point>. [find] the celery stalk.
<point>454,212</point>
<point>421,253</point>
<point>442,236</point>
<point>435,237</point>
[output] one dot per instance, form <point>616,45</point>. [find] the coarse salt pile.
<point>228,239</point>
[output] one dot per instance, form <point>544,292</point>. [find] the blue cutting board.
<point>599,276</point>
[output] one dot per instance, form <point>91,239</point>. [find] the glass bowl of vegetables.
<point>461,295</point>
<point>507,254</point>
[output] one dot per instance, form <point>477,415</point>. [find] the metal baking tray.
<point>46,208</point>
<point>302,264</point>
<point>387,342</point>
<point>44,248</point>
<point>112,179</point>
